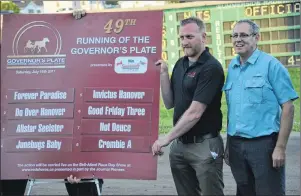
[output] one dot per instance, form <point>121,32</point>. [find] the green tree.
<point>9,6</point>
<point>111,2</point>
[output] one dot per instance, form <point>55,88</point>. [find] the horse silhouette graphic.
<point>33,45</point>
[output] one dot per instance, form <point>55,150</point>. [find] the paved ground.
<point>165,186</point>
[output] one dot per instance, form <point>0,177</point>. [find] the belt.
<point>197,138</point>
<point>272,135</point>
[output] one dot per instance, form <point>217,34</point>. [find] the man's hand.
<point>278,157</point>
<point>158,145</point>
<point>78,14</point>
<point>164,67</point>
<point>226,155</point>
<point>72,179</point>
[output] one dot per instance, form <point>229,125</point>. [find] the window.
<point>290,34</point>
<point>289,21</point>
<point>30,11</point>
<point>283,34</point>
<point>227,39</point>
<point>266,48</point>
<point>265,36</point>
<point>274,48</point>
<point>227,26</point>
<point>181,53</point>
<point>290,47</point>
<point>273,22</point>
<point>297,33</point>
<point>297,46</point>
<point>228,51</point>
<point>265,23</point>
<point>209,40</point>
<point>274,35</point>
<point>227,63</point>
<point>297,20</point>
<point>208,27</point>
<point>38,11</point>
<point>280,22</point>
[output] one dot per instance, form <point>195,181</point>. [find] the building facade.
<point>30,7</point>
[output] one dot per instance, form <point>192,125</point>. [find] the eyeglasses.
<point>242,36</point>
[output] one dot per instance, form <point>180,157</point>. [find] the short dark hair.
<point>195,20</point>
<point>254,27</point>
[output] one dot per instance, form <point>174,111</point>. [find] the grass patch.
<point>165,122</point>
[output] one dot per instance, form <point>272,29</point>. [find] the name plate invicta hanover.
<point>82,102</point>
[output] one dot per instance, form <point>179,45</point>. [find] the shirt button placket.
<point>238,100</point>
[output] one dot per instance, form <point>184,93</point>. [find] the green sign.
<point>279,23</point>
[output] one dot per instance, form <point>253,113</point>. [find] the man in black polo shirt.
<point>195,92</point>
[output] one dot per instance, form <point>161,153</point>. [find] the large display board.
<point>80,97</point>
<point>279,22</point>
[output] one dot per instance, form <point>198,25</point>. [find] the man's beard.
<point>190,52</point>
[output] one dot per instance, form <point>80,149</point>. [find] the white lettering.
<point>96,40</point>
<point>104,94</point>
<point>104,126</point>
<point>131,95</point>
<point>129,144</point>
<point>52,128</point>
<point>121,127</point>
<point>25,96</point>
<point>111,144</point>
<point>95,111</point>
<point>30,144</point>
<point>26,128</point>
<point>31,112</point>
<point>116,111</point>
<point>54,144</point>
<point>53,95</point>
<point>143,50</point>
<point>53,111</point>
<point>218,41</point>
<point>135,111</point>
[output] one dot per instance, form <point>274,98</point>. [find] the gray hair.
<point>195,20</point>
<point>254,27</point>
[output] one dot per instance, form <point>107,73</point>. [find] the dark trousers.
<point>252,166</point>
<point>83,189</point>
<point>197,168</point>
<point>13,187</point>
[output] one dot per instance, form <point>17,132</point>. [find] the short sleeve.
<point>280,80</point>
<point>210,82</point>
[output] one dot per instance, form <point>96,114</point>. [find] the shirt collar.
<point>251,60</point>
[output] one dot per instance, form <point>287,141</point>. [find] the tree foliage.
<point>176,1</point>
<point>9,6</point>
<point>111,2</point>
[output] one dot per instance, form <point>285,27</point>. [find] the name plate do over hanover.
<point>80,101</point>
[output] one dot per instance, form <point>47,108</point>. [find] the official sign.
<point>80,97</point>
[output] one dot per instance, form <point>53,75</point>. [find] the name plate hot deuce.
<point>110,94</point>
<point>137,111</point>
<point>115,127</point>
<point>40,95</point>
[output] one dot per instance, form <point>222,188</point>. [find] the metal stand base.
<point>32,182</point>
